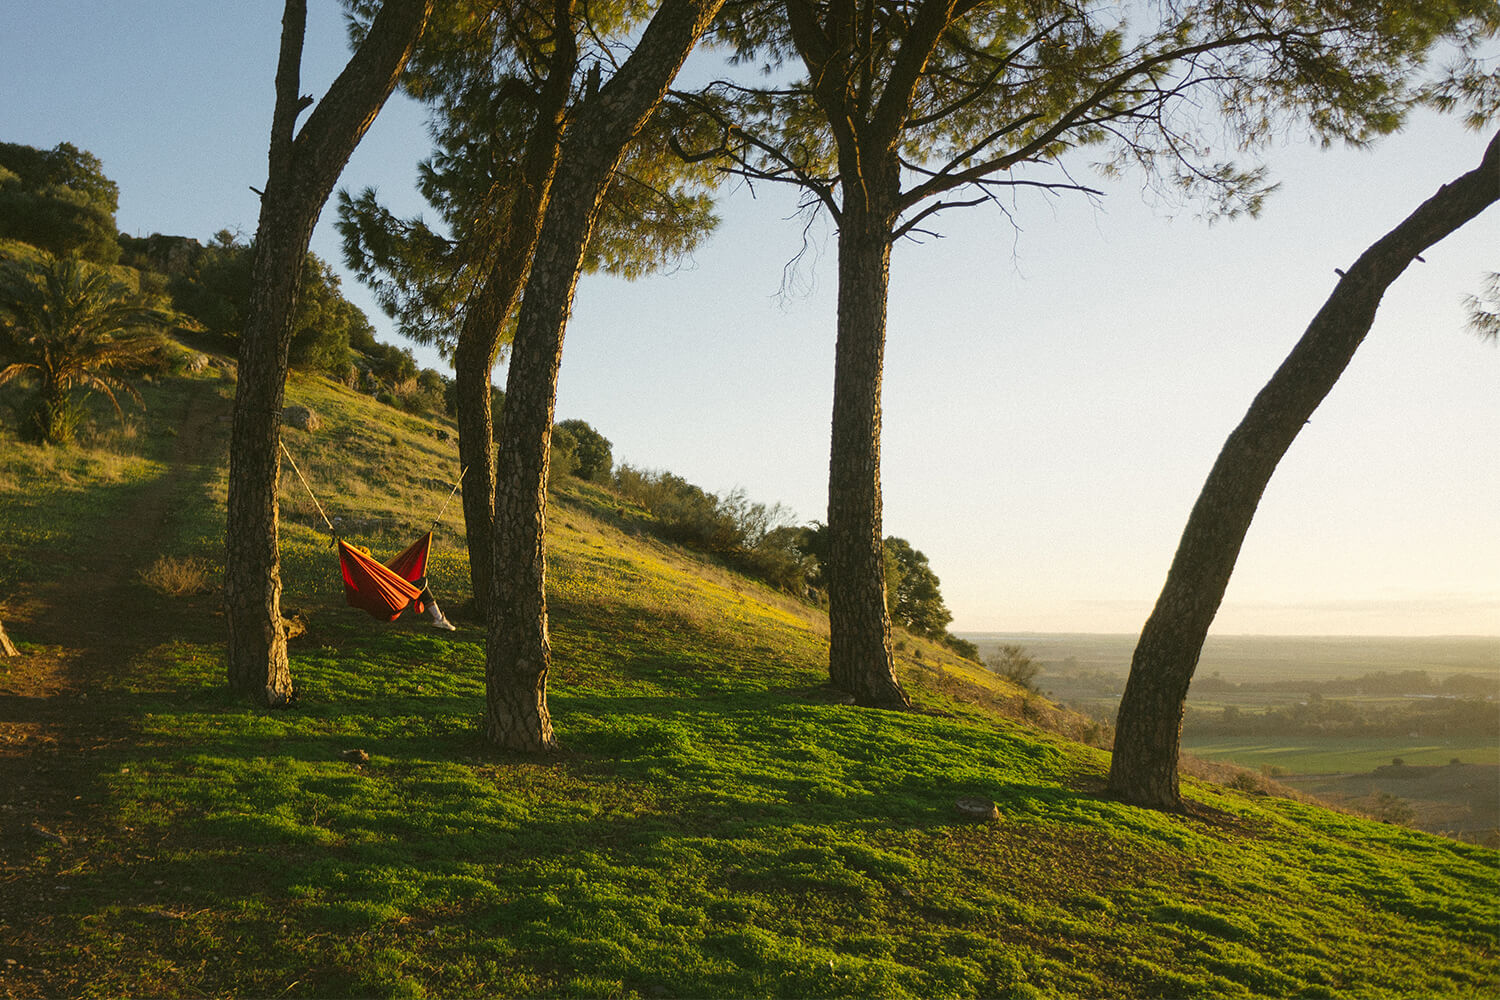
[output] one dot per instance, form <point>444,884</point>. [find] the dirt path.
<point>88,626</point>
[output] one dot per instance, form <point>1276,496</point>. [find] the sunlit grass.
<point>713,826</point>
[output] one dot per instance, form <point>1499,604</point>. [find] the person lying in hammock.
<point>387,590</point>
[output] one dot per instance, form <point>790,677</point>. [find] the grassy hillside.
<point>716,826</point>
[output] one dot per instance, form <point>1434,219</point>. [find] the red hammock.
<point>384,590</point>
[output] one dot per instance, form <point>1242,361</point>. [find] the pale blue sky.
<point>1054,397</point>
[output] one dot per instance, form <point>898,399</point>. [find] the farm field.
<point>1323,716</point>
<point>1241,658</point>
<point>1339,756</point>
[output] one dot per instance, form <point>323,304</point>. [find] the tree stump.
<point>7,648</point>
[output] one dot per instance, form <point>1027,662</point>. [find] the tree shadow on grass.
<point>722,817</point>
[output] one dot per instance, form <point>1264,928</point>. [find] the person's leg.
<point>433,611</point>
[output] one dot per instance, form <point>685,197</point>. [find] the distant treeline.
<point>1403,684</point>
<point>1456,717</point>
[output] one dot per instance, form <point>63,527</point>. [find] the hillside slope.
<point>716,826</point>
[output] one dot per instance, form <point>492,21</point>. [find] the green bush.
<point>593,451</point>
<point>758,539</point>
<point>1015,665</point>
<point>564,455</point>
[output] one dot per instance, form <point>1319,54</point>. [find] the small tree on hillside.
<point>1015,665</point>
<point>912,591</point>
<point>69,325</point>
<point>592,450</point>
<point>59,201</point>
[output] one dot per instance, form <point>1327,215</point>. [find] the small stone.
<point>978,809</point>
<point>301,417</point>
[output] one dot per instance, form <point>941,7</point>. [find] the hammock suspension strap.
<point>309,489</point>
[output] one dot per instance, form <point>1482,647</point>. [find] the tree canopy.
<point>59,200</point>
<point>483,73</point>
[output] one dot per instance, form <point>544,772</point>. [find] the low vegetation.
<point>717,824</point>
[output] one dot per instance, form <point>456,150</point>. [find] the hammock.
<point>384,590</point>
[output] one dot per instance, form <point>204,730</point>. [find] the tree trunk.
<point>860,659</point>
<point>258,663</point>
<point>473,365</point>
<point>518,656</point>
<point>303,167</point>
<point>520,651</point>
<point>1149,728</point>
<point>7,648</point>
<point>484,318</point>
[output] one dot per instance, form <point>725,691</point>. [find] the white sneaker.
<point>438,620</point>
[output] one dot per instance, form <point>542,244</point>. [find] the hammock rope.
<point>444,508</point>
<point>309,489</point>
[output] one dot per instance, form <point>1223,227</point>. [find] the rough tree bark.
<point>303,167</point>
<point>519,653</point>
<point>1149,727</point>
<point>7,648</point>
<point>484,317</point>
<point>832,41</point>
<point>860,658</point>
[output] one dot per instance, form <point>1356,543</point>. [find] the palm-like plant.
<point>70,325</point>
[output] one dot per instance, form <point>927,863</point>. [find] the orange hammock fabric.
<point>384,590</point>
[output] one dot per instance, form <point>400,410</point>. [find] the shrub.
<point>1013,663</point>
<point>758,539</point>
<point>1389,808</point>
<point>178,577</point>
<point>963,647</point>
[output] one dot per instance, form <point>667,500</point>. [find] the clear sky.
<point>1054,396</point>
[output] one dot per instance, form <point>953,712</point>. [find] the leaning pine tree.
<point>304,164</point>
<point>1148,731</point>
<point>606,123</point>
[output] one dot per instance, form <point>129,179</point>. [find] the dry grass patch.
<point>177,577</point>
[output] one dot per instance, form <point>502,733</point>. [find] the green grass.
<point>713,827</point>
